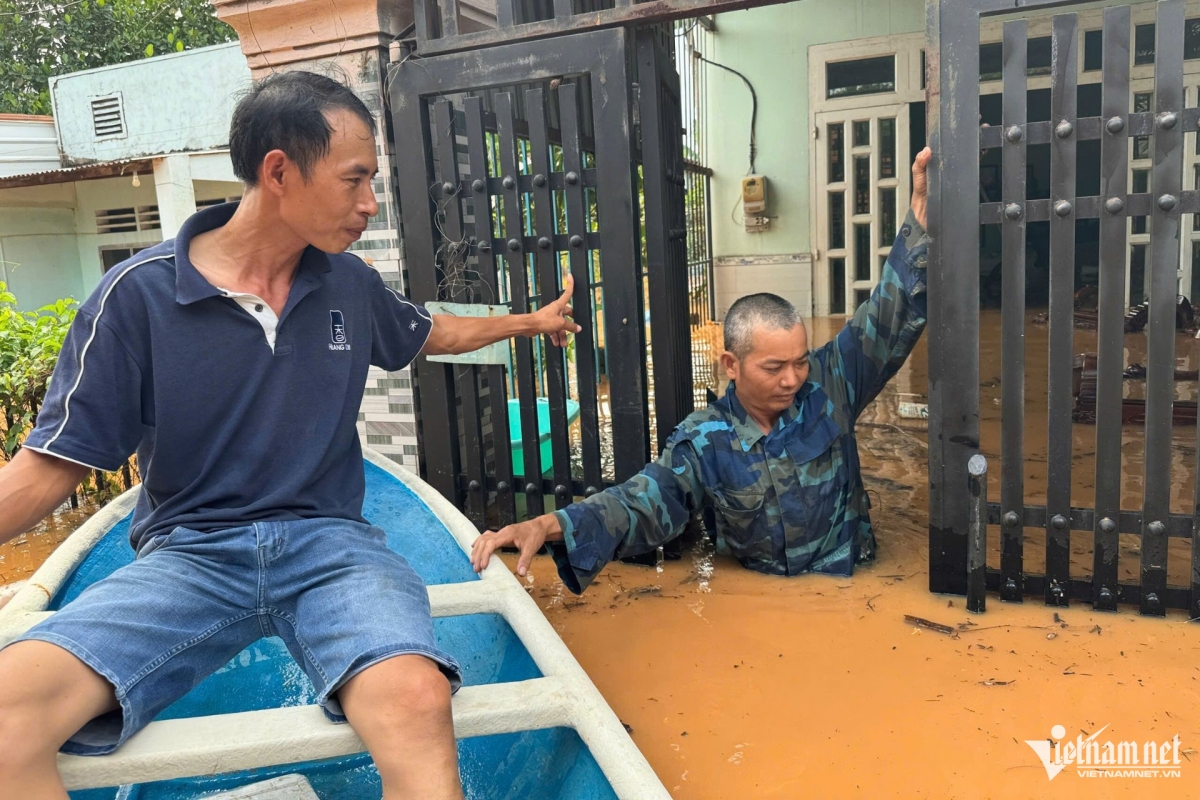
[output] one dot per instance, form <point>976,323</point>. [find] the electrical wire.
<point>753,105</point>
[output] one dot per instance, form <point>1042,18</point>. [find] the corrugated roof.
<point>87,172</point>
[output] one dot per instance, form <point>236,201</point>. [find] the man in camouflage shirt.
<point>775,460</point>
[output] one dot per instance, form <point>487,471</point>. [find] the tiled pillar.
<point>347,40</point>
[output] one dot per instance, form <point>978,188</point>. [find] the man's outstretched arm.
<point>32,485</point>
<point>455,335</point>
<point>635,517</point>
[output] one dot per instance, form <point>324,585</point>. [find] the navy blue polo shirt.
<point>236,417</point>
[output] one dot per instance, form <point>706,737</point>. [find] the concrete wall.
<point>170,104</point>
<point>770,47</point>
<point>38,257</point>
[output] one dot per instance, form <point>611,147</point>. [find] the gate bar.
<point>455,247</point>
<point>1012,464</point>
<point>433,381</point>
<point>977,469</point>
<point>1164,252</point>
<point>1114,180</point>
<point>518,282</point>
<point>1062,308</point>
<point>585,358</point>
<point>549,286</point>
<point>481,206</point>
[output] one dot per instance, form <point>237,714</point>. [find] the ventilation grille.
<point>108,117</point>
<point>127,220</point>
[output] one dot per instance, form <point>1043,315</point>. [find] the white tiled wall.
<point>789,276</point>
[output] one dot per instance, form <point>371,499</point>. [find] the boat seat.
<point>285,787</point>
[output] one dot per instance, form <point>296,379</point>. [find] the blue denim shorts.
<point>330,589</point>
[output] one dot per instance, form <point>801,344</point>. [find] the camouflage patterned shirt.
<point>787,502</point>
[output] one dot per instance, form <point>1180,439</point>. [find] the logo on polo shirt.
<point>337,331</point>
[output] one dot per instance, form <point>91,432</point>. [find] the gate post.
<point>952,88</point>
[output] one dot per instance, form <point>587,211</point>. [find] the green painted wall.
<point>38,257</point>
<point>770,47</point>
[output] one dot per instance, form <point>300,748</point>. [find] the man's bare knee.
<point>401,691</point>
<point>46,695</point>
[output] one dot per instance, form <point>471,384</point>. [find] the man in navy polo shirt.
<point>232,359</point>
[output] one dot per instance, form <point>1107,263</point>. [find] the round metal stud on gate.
<point>560,491</point>
<point>1167,202</point>
<point>514,245</point>
<point>544,243</point>
<point>577,241</point>
<point>530,488</point>
<point>1064,129</point>
<point>478,185</point>
<point>447,188</point>
<point>1114,125</point>
<point>589,491</point>
<point>1062,208</point>
<point>1168,120</point>
<point>1107,525</point>
<point>485,247</point>
<point>1152,602</point>
<point>509,182</point>
<point>1014,134</point>
<point>1013,211</point>
<point>1114,205</point>
<point>1106,595</point>
<point>502,487</point>
<point>572,178</point>
<point>1011,519</point>
<point>1010,589</point>
<point>539,180</point>
<point>1058,522</point>
<point>474,486</point>
<point>1056,591</point>
<point>1156,528</point>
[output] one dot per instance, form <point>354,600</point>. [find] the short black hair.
<point>286,111</point>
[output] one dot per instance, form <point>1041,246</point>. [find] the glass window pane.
<point>1093,50</point>
<point>862,185</point>
<point>1195,270</point>
<point>837,286</point>
<point>1191,38</point>
<point>1141,185</point>
<point>862,133</point>
<point>887,217</point>
<point>862,252</point>
<point>1037,56</point>
<point>1143,44</point>
<point>862,76</point>
<point>1137,274</point>
<point>837,153</point>
<point>837,220</point>
<point>887,148</point>
<point>1142,102</point>
<point>991,61</point>
<point>861,296</point>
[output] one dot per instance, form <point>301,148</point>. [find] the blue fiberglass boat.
<point>529,722</point>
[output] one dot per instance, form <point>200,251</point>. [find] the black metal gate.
<point>525,159</point>
<point>955,218</point>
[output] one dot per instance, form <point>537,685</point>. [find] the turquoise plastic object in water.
<point>549,764</point>
<point>543,414</point>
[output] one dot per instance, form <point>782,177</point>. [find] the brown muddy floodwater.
<point>739,686</point>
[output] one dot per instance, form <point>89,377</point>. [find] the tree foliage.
<point>43,38</point>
